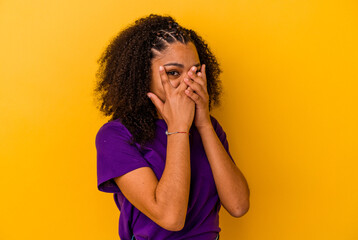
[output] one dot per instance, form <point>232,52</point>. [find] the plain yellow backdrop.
<point>289,109</point>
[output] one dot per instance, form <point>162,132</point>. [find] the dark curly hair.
<point>124,74</point>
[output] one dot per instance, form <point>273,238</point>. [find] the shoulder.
<point>112,130</point>
<point>216,124</point>
<point>214,121</point>
<point>218,129</point>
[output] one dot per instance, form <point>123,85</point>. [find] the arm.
<point>164,201</point>
<point>230,183</point>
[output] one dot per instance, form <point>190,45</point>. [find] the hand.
<point>177,110</point>
<point>198,92</point>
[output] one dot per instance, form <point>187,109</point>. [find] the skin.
<point>231,185</point>
<point>177,60</point>
<point>180,95</point>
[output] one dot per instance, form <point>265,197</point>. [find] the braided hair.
<point>124,73</point>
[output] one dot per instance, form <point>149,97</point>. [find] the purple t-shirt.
<point>115,157</point>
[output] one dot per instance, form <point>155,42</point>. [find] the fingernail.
<point>161,68</point>
<point>148,95</point>
<point>193,68</point>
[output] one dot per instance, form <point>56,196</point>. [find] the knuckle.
<point>163,75</point>
<point>164,79</point>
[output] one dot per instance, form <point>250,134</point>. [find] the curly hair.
<point>124,73</point>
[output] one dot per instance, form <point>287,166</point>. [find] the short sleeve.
<point>222,135</point>
<point>115,156</point>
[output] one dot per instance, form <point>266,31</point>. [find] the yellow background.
<point>289,110</point>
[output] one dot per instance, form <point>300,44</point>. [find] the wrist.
<point>205,127</point>
<point>178,132</point>
<point>178,128</point>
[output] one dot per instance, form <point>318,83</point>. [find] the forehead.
<point>179,52</point>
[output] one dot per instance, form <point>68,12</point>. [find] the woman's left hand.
<point>198,92</point>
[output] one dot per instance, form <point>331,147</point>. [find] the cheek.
<point>156,87</point>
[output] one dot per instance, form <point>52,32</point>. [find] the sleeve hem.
<point>109,185</point>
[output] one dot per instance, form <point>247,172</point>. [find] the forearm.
<point>172,192</point>
<point>230,183</point>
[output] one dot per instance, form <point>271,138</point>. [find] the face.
<point>177,60</point>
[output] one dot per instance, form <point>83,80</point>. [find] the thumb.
<point>156,101</point>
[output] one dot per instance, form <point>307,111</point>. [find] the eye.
<point>173,73</point>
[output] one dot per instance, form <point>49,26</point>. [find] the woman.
<point>162,154</point>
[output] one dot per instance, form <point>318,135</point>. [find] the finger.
<point>156,101</point>
<point>203,81</point>
<point>203,71</point>
<point>192,74</point>
<point>191,90</point>
<point>195,97</point>
<point>196,87</point>
<point>202,74</point>
<point>182,86</point>
<point>165,81</point>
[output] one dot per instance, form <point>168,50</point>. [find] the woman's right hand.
<point>178,109</point>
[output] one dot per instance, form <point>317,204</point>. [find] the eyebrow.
<point>179,64</point>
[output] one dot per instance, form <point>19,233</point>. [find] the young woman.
<point>162,154</point>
